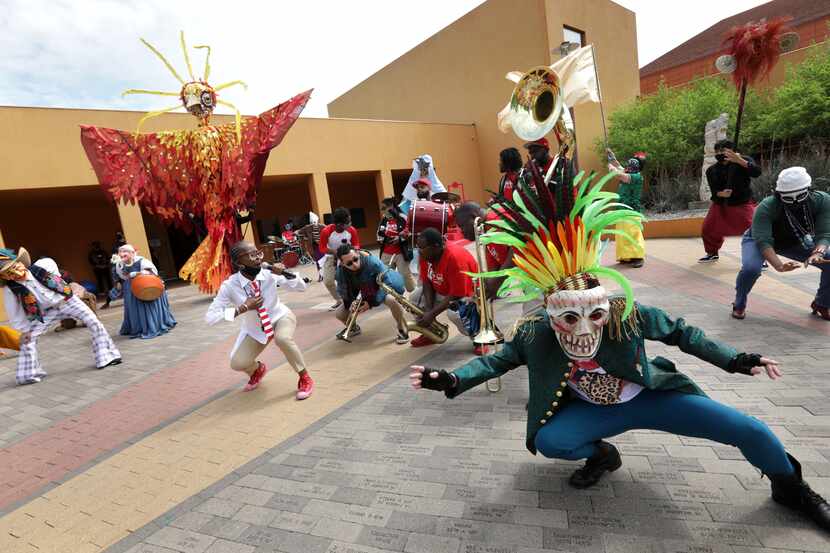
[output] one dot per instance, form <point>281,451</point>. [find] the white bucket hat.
<point>793,179</point>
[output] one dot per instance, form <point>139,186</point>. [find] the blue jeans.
<point>751,261</point>
<point>572,434</point>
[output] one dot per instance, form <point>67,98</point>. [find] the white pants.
<point>103,348</point>
<point>244,358</point>
<point>329,269</point>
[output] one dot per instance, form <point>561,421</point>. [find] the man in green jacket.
<point>589,375</point>
<point>794,223</point>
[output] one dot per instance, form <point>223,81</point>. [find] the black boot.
<point>606,459</point>
<point>795,493</point>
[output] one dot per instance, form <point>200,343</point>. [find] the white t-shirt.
<point>336,239</point>
<point>596,386</point>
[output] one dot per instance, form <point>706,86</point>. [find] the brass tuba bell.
<point>536,103</point>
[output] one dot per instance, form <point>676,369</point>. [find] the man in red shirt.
<point>496,256</point>
<point>444,279</point>
<point>332,237</point>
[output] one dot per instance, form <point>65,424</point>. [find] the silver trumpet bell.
<point>536,103</point>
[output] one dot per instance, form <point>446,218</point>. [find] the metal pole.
<point>599,92</point>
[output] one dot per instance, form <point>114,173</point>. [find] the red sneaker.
<point>305,386</point>
<point>421,341</point>
<point>256,377</point>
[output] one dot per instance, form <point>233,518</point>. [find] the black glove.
<point>445,381</point>
<point>743,363</point>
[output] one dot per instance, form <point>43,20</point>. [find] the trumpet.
<point>354,309</point>
<point>437,332</point>
<point>488,334</point>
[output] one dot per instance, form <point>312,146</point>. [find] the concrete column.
<point>132,225</point>
<point>384,185</point>
<point>318,188</point>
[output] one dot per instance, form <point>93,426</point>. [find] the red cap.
<point>422,180</point>
<point>543,142</point>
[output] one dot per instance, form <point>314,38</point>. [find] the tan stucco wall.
<point>612,30</point>
<point>458,74</point>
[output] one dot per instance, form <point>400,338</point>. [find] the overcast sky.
<point>84,53</point>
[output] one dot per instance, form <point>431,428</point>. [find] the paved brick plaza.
<point>164,454</point>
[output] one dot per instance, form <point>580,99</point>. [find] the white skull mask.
<point>577,318</point>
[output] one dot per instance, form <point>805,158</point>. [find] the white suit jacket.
<point>236,289</point>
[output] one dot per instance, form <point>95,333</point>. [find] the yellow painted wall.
<point>612,30</point>
<point>458,74</point>
<point>41,156</point>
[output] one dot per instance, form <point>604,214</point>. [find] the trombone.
<point>488,334</point>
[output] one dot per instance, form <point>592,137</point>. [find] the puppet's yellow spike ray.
<point>238,118</point>
<point>186,56</point>
<point>163,59</point>
<point>151,114</point>
<point>207,61</point>
<point>142,91</point>
<point>230,84</point>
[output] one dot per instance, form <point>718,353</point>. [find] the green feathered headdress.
<point>556,232</point>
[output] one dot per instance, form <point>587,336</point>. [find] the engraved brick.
<point>181,540</point>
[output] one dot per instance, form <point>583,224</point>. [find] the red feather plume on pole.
<point>756,49</point>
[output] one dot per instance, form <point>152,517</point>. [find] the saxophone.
<point>436,332</point>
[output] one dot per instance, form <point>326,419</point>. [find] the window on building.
<point>573,35</point>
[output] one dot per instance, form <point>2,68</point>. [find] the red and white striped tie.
<point>264,319</point>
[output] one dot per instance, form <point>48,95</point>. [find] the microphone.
<point>286,274</point>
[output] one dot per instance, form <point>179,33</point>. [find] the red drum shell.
<point>147,287</point>
<point>290,259</point>
<point>425,214</point>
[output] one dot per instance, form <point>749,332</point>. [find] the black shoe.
<point>607,459</point>
<point>637,263</point>
<point>709,258</point>
<point>793,492</point>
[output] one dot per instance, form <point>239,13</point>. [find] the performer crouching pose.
<point>446,284</point>
<point>589,376</point>
<point>35,296</point>
<point>356,277</point>
<point>251,292</point>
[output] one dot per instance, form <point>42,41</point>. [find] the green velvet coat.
<point>536,346</point>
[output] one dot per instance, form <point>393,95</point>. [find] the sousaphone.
<point>536,104</point>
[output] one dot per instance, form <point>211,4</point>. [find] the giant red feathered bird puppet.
<point>211,172</point>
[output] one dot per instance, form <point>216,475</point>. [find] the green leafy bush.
<point>789,125</point>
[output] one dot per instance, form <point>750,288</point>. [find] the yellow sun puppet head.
<point>197,96</point>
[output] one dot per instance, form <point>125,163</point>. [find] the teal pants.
<point>572,434</point>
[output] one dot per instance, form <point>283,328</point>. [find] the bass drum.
<point>425,214</point>
<point>290,259</point>
<point>147,287</point>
